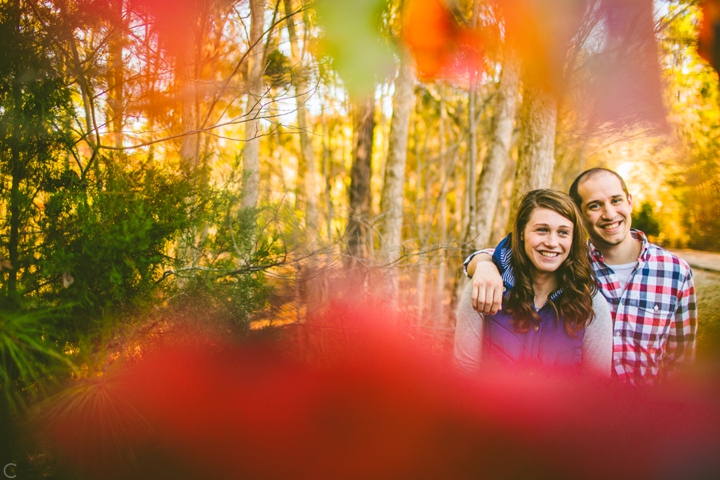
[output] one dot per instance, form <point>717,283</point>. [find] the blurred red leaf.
<point>440,45</point>
<point>708,46</point>
<point>380,409</point>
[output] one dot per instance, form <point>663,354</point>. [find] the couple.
<point>551,314</point>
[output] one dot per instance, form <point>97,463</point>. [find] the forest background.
<point>236,164</point>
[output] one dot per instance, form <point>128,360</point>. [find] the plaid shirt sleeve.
<point>489,251</point>
<point>683,330</point>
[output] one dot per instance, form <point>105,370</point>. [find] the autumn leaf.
<point>440,45</point>
<point>708,47</point>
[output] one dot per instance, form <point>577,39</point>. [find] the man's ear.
<point>630,201</point>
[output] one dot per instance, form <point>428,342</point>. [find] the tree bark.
<point>358,228</point>
<point>536,149</point>
<point>302,94</point>
<point>498,155</point>
<point>327,172</point>
<point>438,300</point>
<point>391,200</point>
<point>251,152</point>
<point>115,74</point>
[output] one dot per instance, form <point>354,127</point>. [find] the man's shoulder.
<point>667,259</point>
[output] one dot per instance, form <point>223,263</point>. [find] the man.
<point>649,290</point>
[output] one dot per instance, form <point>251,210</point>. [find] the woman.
<point>552,315</point>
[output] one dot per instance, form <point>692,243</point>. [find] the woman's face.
<point>548,238</point>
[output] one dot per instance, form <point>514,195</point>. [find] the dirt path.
<point>706,271</point>
<point>700,260</point>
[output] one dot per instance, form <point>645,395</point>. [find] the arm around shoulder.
<point>487,284</point>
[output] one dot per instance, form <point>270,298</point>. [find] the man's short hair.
<point>587,175</point>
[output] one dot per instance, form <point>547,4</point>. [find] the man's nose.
<point>608,212</point>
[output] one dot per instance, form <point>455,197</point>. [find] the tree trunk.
<point>498,155</point>
<point>251,152</point>
<point>302,95</point>
<point>115,74</point>
<point>423,193</point>
<point>536,149</point>
<point>14,238</point>
<point>502,210</point>
<point>470,231</point>
<point>358,228</point>
<point>442,220</point>
<point>391,201</point>
<point>327,172</point>
<point>187,62</point>
<point>190,143</point>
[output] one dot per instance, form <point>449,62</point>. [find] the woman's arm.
<point>597,344</point>
<point>468,333</point>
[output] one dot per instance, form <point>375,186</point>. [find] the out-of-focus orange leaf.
<point>708,46</point>
<point>440,46</point>
<point>174,20</point>
<point>540,32</point>
<point>177,20</point>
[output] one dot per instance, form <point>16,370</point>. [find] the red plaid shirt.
<point>655,316</point>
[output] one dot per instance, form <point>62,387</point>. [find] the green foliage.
<point>35,110</point>
<point>110,240</point>
<point>29,356</point>
<point>645,220</point>
<point>225,284</point>
<point>352,39</point>
<point>278,71</point>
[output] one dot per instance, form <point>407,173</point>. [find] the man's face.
<point>606,210</point>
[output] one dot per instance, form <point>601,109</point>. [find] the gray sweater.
<point>597,346</point>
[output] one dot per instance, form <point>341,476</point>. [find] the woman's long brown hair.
<point>575,276</point>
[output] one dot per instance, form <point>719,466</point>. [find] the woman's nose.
<point>552,239</point>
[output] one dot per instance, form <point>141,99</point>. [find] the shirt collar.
<point>637,235</point>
